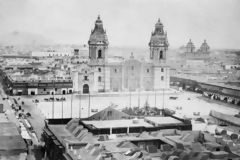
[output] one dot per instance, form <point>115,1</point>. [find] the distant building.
<point>201,53</point>
<point>204,49</point>
<point>102,74</point>
<point>190,47</point>
<point>51,53</point>
<point>19,82</point>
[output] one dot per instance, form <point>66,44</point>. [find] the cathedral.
<point>202,53</point>
<point>103,73</point>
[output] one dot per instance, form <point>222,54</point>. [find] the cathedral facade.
<point>201,53</point>
<point>102,73</point>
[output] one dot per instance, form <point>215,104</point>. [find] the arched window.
<point>161,55</point>
<point>99,53</point>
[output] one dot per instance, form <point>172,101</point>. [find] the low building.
<point>91,139</point>
<point>29,81</point>
<point>217,91</point>
<point>12,145</point>
<point>73,142</point>
<point>51,53</point>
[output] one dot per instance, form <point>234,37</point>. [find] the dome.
<point>190,44</point>
<point>158,37</point>
<point>98,34</point>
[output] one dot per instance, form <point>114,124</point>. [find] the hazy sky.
<point>128,22</point>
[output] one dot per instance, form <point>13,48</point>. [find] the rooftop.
<point>118,123</point>
<point>163,120</point>
<point>10,139</point>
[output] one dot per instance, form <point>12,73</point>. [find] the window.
<point>162,69</point>
<point>147,70</point>
<point>55,89</point>
<point>99,69</point>
<point>99,53</point>
<point>162,78</point>
<point>85,78</point>
<point>132,67</point>
<point>99,79</point>
<point>86,72</point>
<point>115,70</point>
<point>161,55</point>
<point>44,89</point>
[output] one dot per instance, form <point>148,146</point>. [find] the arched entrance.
<point>85,89</point>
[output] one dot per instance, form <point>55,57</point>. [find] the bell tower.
<point>158,47</point>
<point>98,44</point>
<point>158,44</point>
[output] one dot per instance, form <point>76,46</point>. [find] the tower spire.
<point>98,43</point>
<point>158,43</point>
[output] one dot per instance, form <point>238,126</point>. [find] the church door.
<point>85,89</point>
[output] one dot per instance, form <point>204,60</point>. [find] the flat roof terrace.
<point>10,139</point>
<point>118,123</point>
<point>160,121</point>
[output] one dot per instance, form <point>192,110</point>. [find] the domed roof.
<point>205,45</point>
<point>190,44</point>
<point>158,37</point>
<point>98,34</point>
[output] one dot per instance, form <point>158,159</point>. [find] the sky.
<point>128,23</point>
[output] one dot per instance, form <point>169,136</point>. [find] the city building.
<point>201,53</point>
<point>100,139</point>
<point>190,47</point>
<point>12,144</point>
<point>148,138</point>
<point>36,77</point>
<point>102,73</point>
<point>204,48</point>
<point>213,90</point>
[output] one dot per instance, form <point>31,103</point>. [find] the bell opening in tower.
<point>99,53</point>
<point>161,55</point>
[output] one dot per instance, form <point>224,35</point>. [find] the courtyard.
<point>82,106</point>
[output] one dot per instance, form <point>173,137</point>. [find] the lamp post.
<point>71,104</point>
<point>139,97</point>
<point>62,106</point>
<point>80,104</point>
<point>130,103</point>
<point>163,100</point>
<point>155,94</point>
<point>53,100</point>
<point>89,105</point>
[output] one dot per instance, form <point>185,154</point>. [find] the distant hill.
<point>23,38</point>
